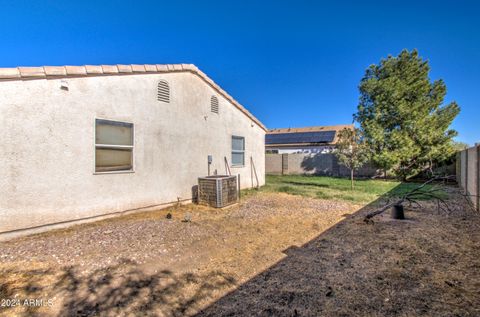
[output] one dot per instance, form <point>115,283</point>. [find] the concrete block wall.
<point>468,174</point>
<point>273,163</point>
<point>315,164</point>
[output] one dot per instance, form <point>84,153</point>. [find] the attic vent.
<point>163,92</point>
<point>214,104</point>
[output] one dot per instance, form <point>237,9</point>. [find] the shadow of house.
<point>119,290</point>
<point>355,269</point>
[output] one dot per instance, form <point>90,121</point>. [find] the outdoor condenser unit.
<point>217,191</point>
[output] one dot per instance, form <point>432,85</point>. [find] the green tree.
<point>459,146</point>
<point>401,115</point>
<point>351,150</point>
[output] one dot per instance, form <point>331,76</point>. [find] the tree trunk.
<point>385,174</point>
<point>351,178</point>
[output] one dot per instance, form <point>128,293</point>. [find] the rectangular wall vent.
<point>214,104</point>
<point>163,91</point>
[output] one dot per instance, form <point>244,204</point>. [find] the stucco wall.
<point>48,145</point>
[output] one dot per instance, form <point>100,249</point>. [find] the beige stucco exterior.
<point>48,155</point>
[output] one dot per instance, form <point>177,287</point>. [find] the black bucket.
<point>397,212</point>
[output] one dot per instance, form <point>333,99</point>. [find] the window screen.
<point>238,151</point>
<point>113,146</point>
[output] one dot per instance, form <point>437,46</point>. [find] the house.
<point>320,139</point>
<point>85,142</point>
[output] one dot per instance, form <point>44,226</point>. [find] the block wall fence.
<point>468,174</point>
<point>316,164</point>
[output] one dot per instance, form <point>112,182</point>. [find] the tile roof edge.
<point>336,127</point>
<point>51,72</point>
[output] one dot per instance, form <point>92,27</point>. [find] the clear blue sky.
<point>295,63</point>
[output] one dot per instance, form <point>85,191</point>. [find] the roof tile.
<point>110,69</point>
<point>312,129</point>
<point>32,72</point>
<point>150,68</point>
<point>6,73</point>
<point>162,68</point>
<point>177,67</point>
<point>124,68</point>
<point>138,68</point>
<point>55,70</point>
<point>76,70</point>
<point>94,69</point>
<point>190,67</point>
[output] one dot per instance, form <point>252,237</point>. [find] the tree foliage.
<point>401,115</point>
<point>459,146</point>
<point>351,150</point>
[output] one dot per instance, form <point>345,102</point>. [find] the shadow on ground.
<point>426,265</point>
<point>306,184</point>
<point>120,290</point>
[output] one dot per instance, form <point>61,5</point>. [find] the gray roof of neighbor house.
<point>43,72</point>
<point>319,135</point>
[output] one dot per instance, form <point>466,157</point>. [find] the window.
<point>238,151</point>
<point>163,91</point>
<point>113,146</point>
<point>214,104</point>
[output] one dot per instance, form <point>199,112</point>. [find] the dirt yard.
<point>272,255</point>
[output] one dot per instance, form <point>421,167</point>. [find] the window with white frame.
<point>238,151</point>
<point>113,146</point>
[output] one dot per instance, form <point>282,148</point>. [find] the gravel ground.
<point>145,254</point>
<point>271,255</point>
<point>426,265</point>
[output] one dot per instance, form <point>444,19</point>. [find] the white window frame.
<point>112,146</point>
<point>238,151</point>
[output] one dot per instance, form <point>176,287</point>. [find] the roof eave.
<point>55,72</point>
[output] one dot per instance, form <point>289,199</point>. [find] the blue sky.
<point>291,63</point>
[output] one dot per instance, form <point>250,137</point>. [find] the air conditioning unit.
<point>217,191</point>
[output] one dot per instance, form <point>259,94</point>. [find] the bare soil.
<point>271,255</point>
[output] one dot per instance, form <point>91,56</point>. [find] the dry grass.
<point>205,258</point>
<point>274,254</point>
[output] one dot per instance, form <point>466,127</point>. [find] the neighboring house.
<point>320,139</point>
<point>80,142</point>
